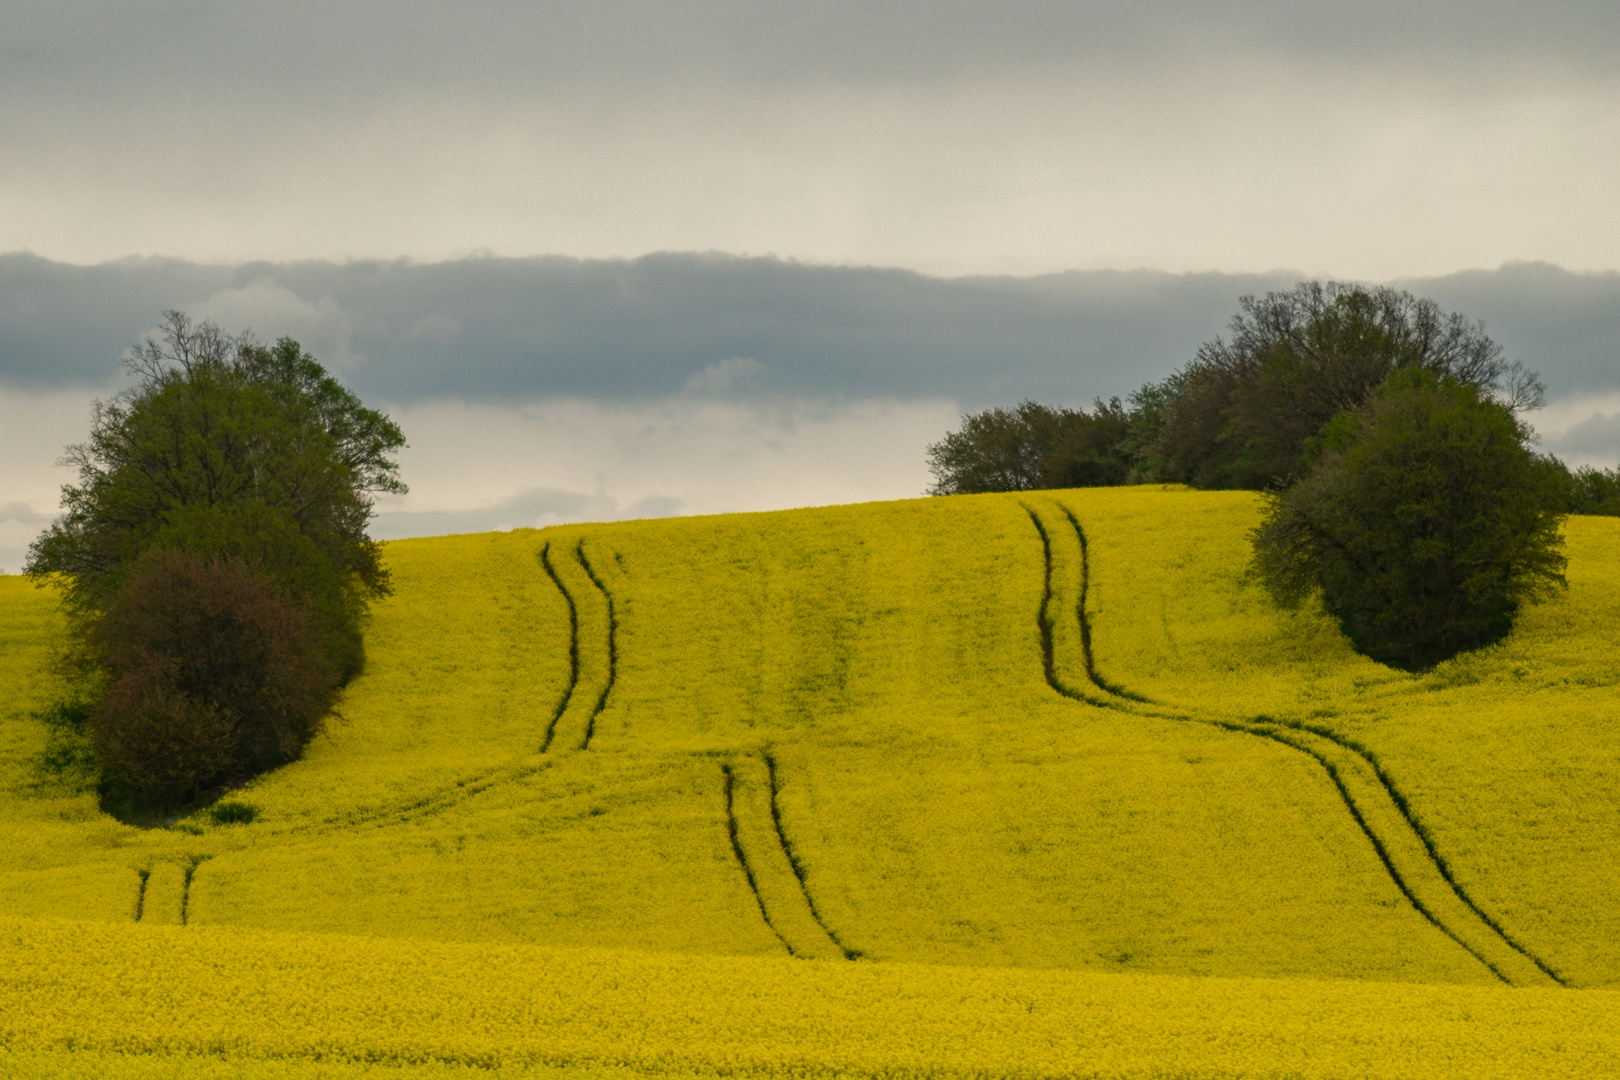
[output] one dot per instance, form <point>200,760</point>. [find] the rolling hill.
<point>772,777</point>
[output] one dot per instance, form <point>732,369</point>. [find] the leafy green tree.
<point>1595,491</point>
<point>1032,446</point>
<point>1424,523</point>
<point>1241,413</point>
<point>228,448</point>
<point>234,474</point>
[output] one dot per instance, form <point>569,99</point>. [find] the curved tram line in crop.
<point>753,819</point>
<point>573,647</point>
<point>450,795</point>
<point>570,694</point>
<point>1383,814</point>
<point>612,645</point>
<point>768,862</point>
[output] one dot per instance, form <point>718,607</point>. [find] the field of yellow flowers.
<point>97,999</point>
<point>964,786</point>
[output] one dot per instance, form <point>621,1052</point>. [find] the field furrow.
<point>1375,805</point>
<point>593,647</point>
<point>612,645</point>
<point>573,648</point>
<point>758,841</point>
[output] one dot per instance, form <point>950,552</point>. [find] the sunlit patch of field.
<point>833,734</point>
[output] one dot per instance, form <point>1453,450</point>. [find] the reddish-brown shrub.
<point>215,675</point>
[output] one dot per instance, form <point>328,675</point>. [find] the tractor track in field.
<point>448,795</point>
<point>573,647</point>
<point>188,873</point>
<point>1470,927</point>
<point>730,784</point>
<point>796,866</point>
<point>612,644</point>
<point>771,866</point>
<point>571,694</point>
<point>140,893</point>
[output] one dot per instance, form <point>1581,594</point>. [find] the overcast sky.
<point>910,209</point>
<point>1378,139</point>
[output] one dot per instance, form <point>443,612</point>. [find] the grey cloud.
<point>347,51</point>
<point>66,325</point>
<point>520,329</point>
<point>1594,442</point>
<point>493,329</point>
<point>23,514</point>
<point>1567,325</point>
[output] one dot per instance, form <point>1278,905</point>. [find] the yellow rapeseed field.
<point>1509,758</point>
<point>166,1001</point>
<point>881,740</point>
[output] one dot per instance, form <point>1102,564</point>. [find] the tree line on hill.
<point>214,561</point>
<point>1387,434</point>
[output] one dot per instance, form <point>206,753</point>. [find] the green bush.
<point>213,675</point>
<point>1424,522</point>
<point>1032,446</point>
<point>1242,413</point>
<point>1595,491</point>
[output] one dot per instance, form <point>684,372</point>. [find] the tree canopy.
<point>1424,523</point>
<point>1242,412</point>
<point>1032,446</point>
<point>241,465</point>
<point>1385,432</point>
<point>229,448</point>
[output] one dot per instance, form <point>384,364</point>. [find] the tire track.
<point>448,795</point>
<point>754,824</point>
<point>192,864</point>
<point>140,893</point>
<point>163,892</point>
<point>798,868</point>
<point>612,644</point>
<point>1403,846</point>
<point>591,610</point>
<point>730,783</point>
<point>573,647</point>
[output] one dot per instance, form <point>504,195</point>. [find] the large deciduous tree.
<point>254,469</point>
<point>1242,413</point>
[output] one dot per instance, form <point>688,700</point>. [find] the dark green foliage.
<point>228,447</point>
<point>68,760</point>
<point>232,813</point>
<point>246,466</point>
<point>1032,446</point>
<point>1424,523</point>
<point>213,675</point>
<point>1595,491</point>
<point>1242,413</point>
